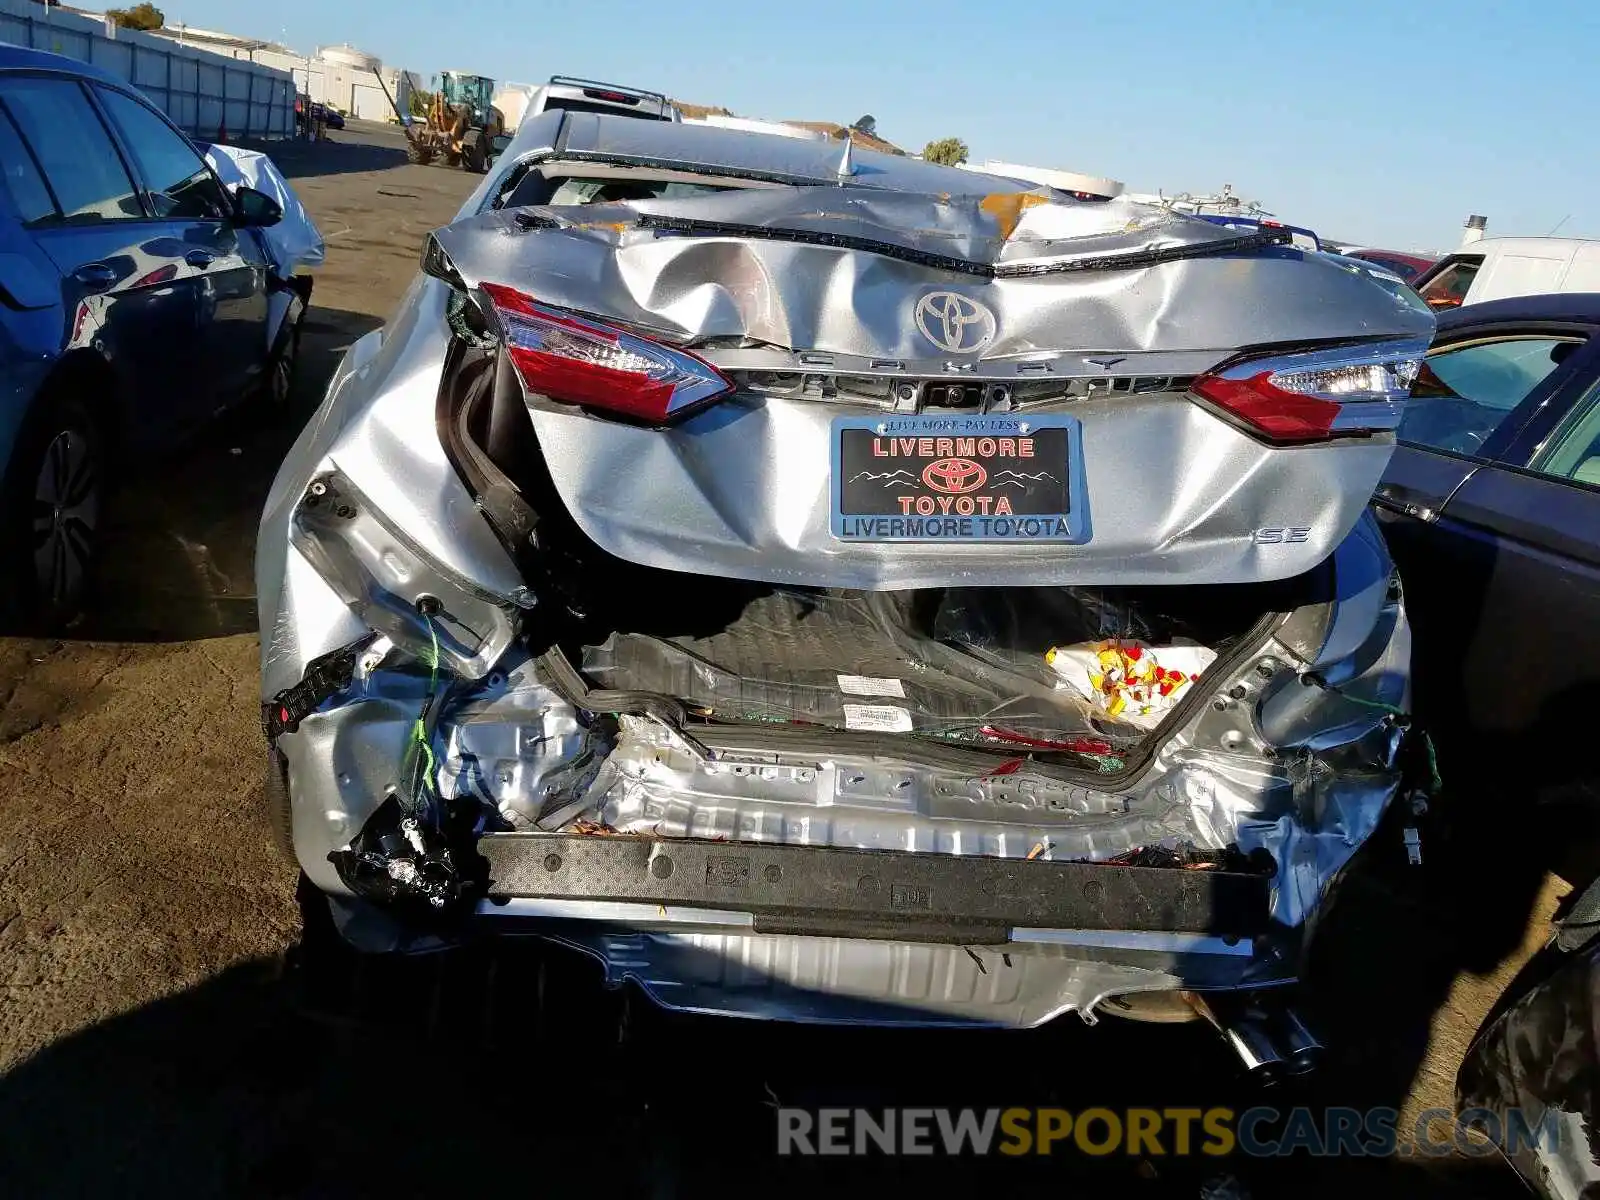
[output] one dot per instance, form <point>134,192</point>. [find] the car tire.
<point>53,501</point>
<point>284,359</point>
<point>473,152</point>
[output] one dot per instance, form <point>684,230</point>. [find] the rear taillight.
<point>1345,391</point>
<point>161,274</point>
<point>575,360</point>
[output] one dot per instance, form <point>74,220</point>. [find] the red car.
<point>1407,266</point>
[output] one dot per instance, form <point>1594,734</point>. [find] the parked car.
<point>1407,266</point>
<point>135,293</point>
<point>1531,1078</point>
<point>1499,268</point>
<point>570,94</point>
<point>309,111</point>
<point>745,578</point>
<point>1491,506</point>
<point>565,93</point>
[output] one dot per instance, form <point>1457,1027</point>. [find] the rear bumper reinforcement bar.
<point>874,893</point>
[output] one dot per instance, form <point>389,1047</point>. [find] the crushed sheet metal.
<point>1204,801</point>
<point>1007,208</point>
<point>736,490</point>
<point>1149,256</point>
<point>745,284</point>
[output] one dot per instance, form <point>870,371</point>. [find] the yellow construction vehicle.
<point>462,124</point>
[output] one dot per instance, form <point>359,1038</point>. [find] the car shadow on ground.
<point>178,548</point>
<point>366,148</point>
<point>478,1071</point>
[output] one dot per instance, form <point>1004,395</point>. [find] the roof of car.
<point>1405,256</point>
<point>626,139</point>
<point>1567,306</point>
<point>17,58</point>
<point>1484,245</point>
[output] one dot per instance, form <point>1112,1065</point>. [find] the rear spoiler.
<point>616,89</point>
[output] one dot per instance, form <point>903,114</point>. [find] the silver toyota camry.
<point>835,587</point>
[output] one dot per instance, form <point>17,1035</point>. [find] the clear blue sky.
<point>1381,120</point>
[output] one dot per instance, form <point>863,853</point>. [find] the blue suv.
<point>134,304</point>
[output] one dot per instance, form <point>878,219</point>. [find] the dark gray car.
<point>1491,506</point>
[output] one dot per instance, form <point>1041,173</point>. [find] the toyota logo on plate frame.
<point>955,323</point>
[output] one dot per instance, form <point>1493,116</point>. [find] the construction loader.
<point>462,124</point>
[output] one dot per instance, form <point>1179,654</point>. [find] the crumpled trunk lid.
<point>907,319</point>
<point>832,270</point>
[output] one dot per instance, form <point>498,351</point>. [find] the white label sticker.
<point>866,685</point>
<point>879,718</point>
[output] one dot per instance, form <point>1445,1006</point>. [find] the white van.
<point>1495,268</point>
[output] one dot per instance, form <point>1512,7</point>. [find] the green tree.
<point>419,102</point>
<point>949,152</point>
<point>140,16</point>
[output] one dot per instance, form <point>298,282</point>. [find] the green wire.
<point>1427,742</point>
<point>419,731</point>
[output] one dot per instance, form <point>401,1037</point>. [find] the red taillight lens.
<point>1282,416</point>
<point>575,360</point>
<point>1340,392</point>
<point>159,275</point>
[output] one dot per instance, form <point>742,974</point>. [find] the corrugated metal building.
<point>351,91</point>
<point>208,95</point>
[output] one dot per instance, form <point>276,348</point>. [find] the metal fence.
<point>211,97</point>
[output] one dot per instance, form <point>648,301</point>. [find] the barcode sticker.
<point>879,718</point>
<point>866,685</point>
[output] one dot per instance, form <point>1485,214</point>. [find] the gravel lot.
<point>152,1042</point>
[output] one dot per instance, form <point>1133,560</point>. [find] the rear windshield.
<point>536,188</point>
<point>1449,287</point>
<point>603,191</point>
<point>1405,270</point>
<point>605,110</point>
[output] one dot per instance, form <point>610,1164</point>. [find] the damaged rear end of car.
<point>837,605</point>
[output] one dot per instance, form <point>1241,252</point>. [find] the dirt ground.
<point>152,1043</point>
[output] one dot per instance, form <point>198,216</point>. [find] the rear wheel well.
<point>87,378</point>
<point>74,409</point>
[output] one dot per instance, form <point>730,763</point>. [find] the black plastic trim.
<point>875,893</point>
<point>1124,260</point>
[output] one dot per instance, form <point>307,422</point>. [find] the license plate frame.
<point>883,488</point>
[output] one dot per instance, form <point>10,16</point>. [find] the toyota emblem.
<point>955,323</point>
<point>954,476</point>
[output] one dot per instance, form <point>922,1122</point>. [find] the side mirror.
<point>255,210</point>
